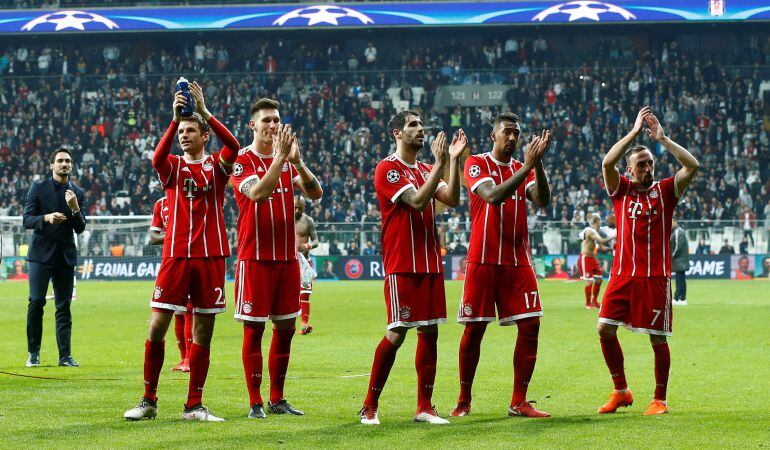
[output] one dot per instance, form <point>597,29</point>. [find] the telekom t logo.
<point>634,208</point>
<point>190,187</point>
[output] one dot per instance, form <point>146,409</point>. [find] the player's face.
<point>62,165</point>
<point>506,137</point>
<point>190,137</point>
<point>595,222</point>
<point>264,124</point>
<point>611,221</point>
<point>299,207</point>
<point>413,134</point>
<point>641,165</point>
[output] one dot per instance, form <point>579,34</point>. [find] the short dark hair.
<point>633,150</point>
<point>505,117</point>
<point>264,103</point>
<point>398,122</point>
<point>202,124</point>
<point>61,149</point>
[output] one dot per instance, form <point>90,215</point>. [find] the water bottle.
<point>183,86</point>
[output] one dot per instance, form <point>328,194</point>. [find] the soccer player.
<point>638,295</point>
<point>267,276</point>
<point>608,231</point>
<point>307,239</point>
<point>588,266</point>
<point>414,279</point>
<point>194,249</point>
<point>182,319</point>
<point>499,272</point>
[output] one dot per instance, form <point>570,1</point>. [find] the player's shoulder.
<point>161,200</point>
<point>476,159</point>
<point>388,161</point>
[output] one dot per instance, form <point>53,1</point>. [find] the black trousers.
<point>39,277</point>
<point>681,287</point>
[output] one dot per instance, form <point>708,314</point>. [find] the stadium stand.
<point>109,101</point>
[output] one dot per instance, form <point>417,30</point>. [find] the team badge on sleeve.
<point>237,169</point>
<point>394,176</point>
<point>474,171</point>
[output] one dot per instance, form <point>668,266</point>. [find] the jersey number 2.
<point>220,297</point>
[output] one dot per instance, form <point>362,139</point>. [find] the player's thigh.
<point>651,310</point>
<point>172,285</point>
<point>616,302</point>
<point>207,285</point>
<point>479,295</point>
<point>253,291</point>
<point>518,296</point>
<point>285,303</point>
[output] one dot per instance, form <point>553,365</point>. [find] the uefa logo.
<point>354,269</point>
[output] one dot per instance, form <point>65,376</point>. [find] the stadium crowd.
<point>110,101</point>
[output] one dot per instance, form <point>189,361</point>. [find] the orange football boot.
<point>617,400</point>
<point>655,408</point>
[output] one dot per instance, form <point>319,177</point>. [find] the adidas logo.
<point>185,169</point>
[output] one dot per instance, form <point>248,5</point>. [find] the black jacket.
<point>49,241</point>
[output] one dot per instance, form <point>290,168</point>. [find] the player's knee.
<point>396,336</point>
<point>288,324</point>
<point>657,339</point>
<point>476,330</point>
<point>529,327</point>
<point>606,331</point>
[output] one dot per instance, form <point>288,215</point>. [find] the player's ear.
<point>252,125</point>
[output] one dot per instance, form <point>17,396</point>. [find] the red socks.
<point>188,333</point>
<point>470,350</point>
<point>304,302</point>
<point>425,362</point>
<point>252,359</point>
<point>181,341</point>
<point>595,296</point>
<point>199,369</point>
<point>384,357</point>
<point>154,352</point>
<point>662,366</point>
<point>588,293</point>
<point>524,358</point>
<point>613,356</point>
<point>278,362</point>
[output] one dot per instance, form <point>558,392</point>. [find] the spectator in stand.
<point>727,249</point>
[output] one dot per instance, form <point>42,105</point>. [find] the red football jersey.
<point>195,194</point>
<point>410,241</point>
<point>159,215</point>
<point>265,229</point>
<point>498,232</point>
<point>644,228</point>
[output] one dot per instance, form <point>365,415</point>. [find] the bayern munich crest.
<point>405,312</point>
<point>208,167</point>
<point>474,171</point>
<point>157,293</point>
<point>247,308</point>
<point>393,176</point>
<point>467,310</point>
<point>285,167</point>
<point>653,194</point>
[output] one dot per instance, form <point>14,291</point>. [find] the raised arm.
<point>261,190</point>
<point>496,194</point>
<point>450,195</point>
<point>309,183</point>
<point>540,194</point>
<point>420,199</point>
<point>229,152</point>
<point>616,153</point>
<point>689,164</point>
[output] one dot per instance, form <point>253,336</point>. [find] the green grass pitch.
<point>718,393</point>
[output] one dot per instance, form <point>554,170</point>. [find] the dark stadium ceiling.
<point>370,15</point>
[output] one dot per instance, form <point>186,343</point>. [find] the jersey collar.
<point>499,163</point>
<point>411,166</point>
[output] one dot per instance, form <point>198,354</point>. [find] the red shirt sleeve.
<point>476,172</point>
<point>243,173</point>
<point>157,219</point>
<point>668,190</point>
<point>229,153</point>
<point>162,160</point>
<point>389,181</point>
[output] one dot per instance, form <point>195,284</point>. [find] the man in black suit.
<point>52,210</point>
